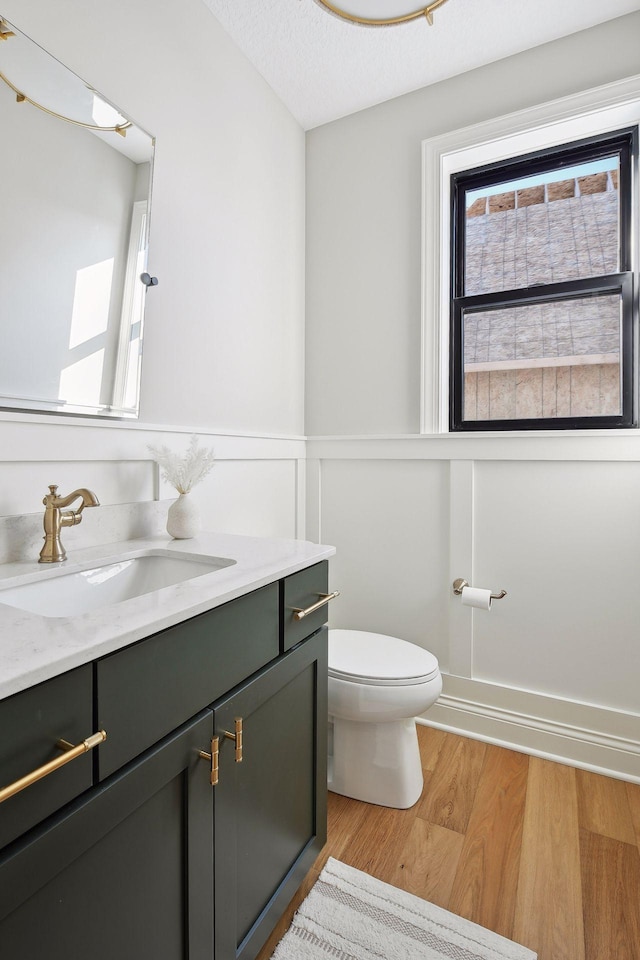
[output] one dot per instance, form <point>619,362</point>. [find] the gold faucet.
<point>54,519</point>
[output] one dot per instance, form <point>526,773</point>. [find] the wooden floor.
<point>541,853</point>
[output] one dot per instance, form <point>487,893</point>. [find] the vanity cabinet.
<point>151,860</point>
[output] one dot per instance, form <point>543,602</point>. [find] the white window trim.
<point>585,114</point>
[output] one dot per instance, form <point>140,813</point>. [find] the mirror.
<point>76,186</point>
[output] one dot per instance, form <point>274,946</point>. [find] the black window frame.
<point>624,143</point>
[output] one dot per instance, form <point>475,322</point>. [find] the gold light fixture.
<point>381,13</point>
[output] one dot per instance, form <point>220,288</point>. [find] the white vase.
<point>183,518</point>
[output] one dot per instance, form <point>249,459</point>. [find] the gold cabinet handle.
<point>299,614</point>
<point>70,753</point>
<point>213,759</point>
<point>237,737</point>
<point>214,756</point>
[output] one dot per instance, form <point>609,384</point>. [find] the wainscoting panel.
<point>553,668</point>
<point>255,487</point>
<point>252,497</point>
<point>562,539</point>
<point>391,522</point>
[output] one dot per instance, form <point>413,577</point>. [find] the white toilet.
<point>377,686</point>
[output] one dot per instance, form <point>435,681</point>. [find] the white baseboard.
<point>582,735</point>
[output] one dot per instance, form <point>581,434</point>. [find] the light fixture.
<point>381,13</point>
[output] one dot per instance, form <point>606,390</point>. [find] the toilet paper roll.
<point>476,597</point>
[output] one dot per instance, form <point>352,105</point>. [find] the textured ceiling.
<point>324,68</point>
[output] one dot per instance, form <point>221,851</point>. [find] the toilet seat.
<point>358,656</point>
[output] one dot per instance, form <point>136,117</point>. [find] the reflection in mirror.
<point>76,179</point>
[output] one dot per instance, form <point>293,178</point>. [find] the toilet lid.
<point>363,657</point>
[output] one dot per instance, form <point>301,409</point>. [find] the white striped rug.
<point>349,915</point>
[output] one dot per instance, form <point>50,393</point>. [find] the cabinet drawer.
<point>31,723</point>
<point>300,591</point>
<point>151,688</point>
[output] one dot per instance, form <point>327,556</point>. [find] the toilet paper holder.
<point>460,584</point>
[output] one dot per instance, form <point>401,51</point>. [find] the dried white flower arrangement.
<point>184,472</point>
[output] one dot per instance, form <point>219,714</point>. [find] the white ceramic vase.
<point>183,518</point>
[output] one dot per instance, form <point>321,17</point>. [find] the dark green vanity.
<point>129,852</point>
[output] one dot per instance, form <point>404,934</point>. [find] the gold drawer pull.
<point>213,758</point>
<point>70,753</point>
<point>237,737</point>
<point>299,614</point>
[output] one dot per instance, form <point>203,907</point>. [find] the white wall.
<point>224,335</point>
<point>554,667</point>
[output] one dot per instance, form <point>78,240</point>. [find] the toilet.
<point>377,686</point>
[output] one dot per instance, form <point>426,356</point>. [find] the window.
<point>541,130</point>
<point>542,303</point>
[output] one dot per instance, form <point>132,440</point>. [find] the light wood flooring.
<point>542,853</point>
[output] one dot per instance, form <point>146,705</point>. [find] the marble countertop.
<point>34,648</point>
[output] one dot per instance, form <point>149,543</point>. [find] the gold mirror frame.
<point>426,12</point>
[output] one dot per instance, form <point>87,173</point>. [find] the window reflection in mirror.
<point>73,239</point>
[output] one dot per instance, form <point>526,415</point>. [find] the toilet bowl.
<point>377,686</point>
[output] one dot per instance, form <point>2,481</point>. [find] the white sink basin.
<point>80,591</point>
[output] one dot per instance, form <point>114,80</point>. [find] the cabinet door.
<point>270,808</point>
<point>125,871</point>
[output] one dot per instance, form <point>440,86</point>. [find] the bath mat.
<point>349,915</point>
